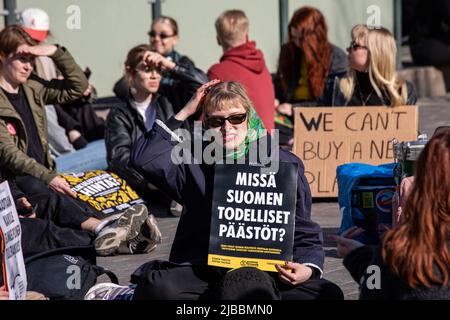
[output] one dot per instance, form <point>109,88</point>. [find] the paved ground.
<point>432,114</point>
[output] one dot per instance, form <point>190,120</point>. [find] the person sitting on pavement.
<point>24,150</point>
<point>413,259</point>
<point>163,36</point>
<point>144,105</point>
<point>186,275</point>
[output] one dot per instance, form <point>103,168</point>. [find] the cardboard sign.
<point>253,216</point>
<point>105,191</point>
<point>15,276</point>
<point>326,137</point>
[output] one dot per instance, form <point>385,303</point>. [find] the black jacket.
<point>338,69</point>
<point>192,186</point>
<point>124,126</point>
<point>391,287</point>
<point>338,99</point>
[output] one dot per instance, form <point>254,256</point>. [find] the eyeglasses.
<point>215,122</point>
<point>161,35</point>
<point>354,46</point>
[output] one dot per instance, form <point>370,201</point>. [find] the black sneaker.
<point>120,231</point>
<point>146,241</point>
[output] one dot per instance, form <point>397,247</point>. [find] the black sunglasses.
<point>354,46</point>
<point>162,36</point>
<point>148,69</point>
<point>215,122</point>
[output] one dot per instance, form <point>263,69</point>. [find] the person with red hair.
<point>413,259</point>
<point>308,63</point>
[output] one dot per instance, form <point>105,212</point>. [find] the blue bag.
<point>365,197</point>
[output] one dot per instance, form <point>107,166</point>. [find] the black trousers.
<point>58,219</point>
<point>63,210</point>
<point>186,282</point>
<point>39,235</point>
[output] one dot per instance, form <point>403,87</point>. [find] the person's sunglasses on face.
<point>162,35</point>
<point>354,46</point>
<point>234,119</point>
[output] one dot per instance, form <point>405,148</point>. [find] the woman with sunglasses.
<point>163,36</point>
<point>372,79</point>
<point>146,102</point>
<point>226,110</point>
<point>307,66</point>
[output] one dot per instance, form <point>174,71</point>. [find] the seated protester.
<point>126,123</point>
<point>163,37</point>
<point>24,141</point>
<point>372,79</point>
<point>49,221</point>
<point>186,275</point>
<point>414,257</point>
<point>24,150</point>
<point>308,66</point>
<point>65,133</point>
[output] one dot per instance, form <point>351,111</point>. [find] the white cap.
<point>36,23</point>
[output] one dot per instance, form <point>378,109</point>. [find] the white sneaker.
<point>175,208</point>
<point>109,291</point>
<point>121,230</point>
<point>146,241</point>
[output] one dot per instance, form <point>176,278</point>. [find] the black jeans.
<point>185,282</point>
<point>39,235</point>
<point>63,210</point>
<point>58,219</point>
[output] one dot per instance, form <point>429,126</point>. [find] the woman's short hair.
<point>11,38</point>
<point>224,95</point>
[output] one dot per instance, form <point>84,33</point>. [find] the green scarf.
<point>255,131</point>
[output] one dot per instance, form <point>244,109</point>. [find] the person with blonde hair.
<point>372,79</point>
<point>243,62</point>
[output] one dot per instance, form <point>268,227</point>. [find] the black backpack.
<point>64,274</point>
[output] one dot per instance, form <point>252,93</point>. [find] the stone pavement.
<point>433,112</point>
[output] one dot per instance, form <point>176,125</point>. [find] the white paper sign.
<point>12,257</point>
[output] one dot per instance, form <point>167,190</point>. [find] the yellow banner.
<point>239,262</point>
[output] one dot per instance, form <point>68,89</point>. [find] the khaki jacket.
<point>13,138</point>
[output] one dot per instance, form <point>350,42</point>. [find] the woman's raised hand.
<point>156,60</point>
<point>194,103</point>
<point>39,50</point>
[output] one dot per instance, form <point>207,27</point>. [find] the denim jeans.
<point>91,157</point>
